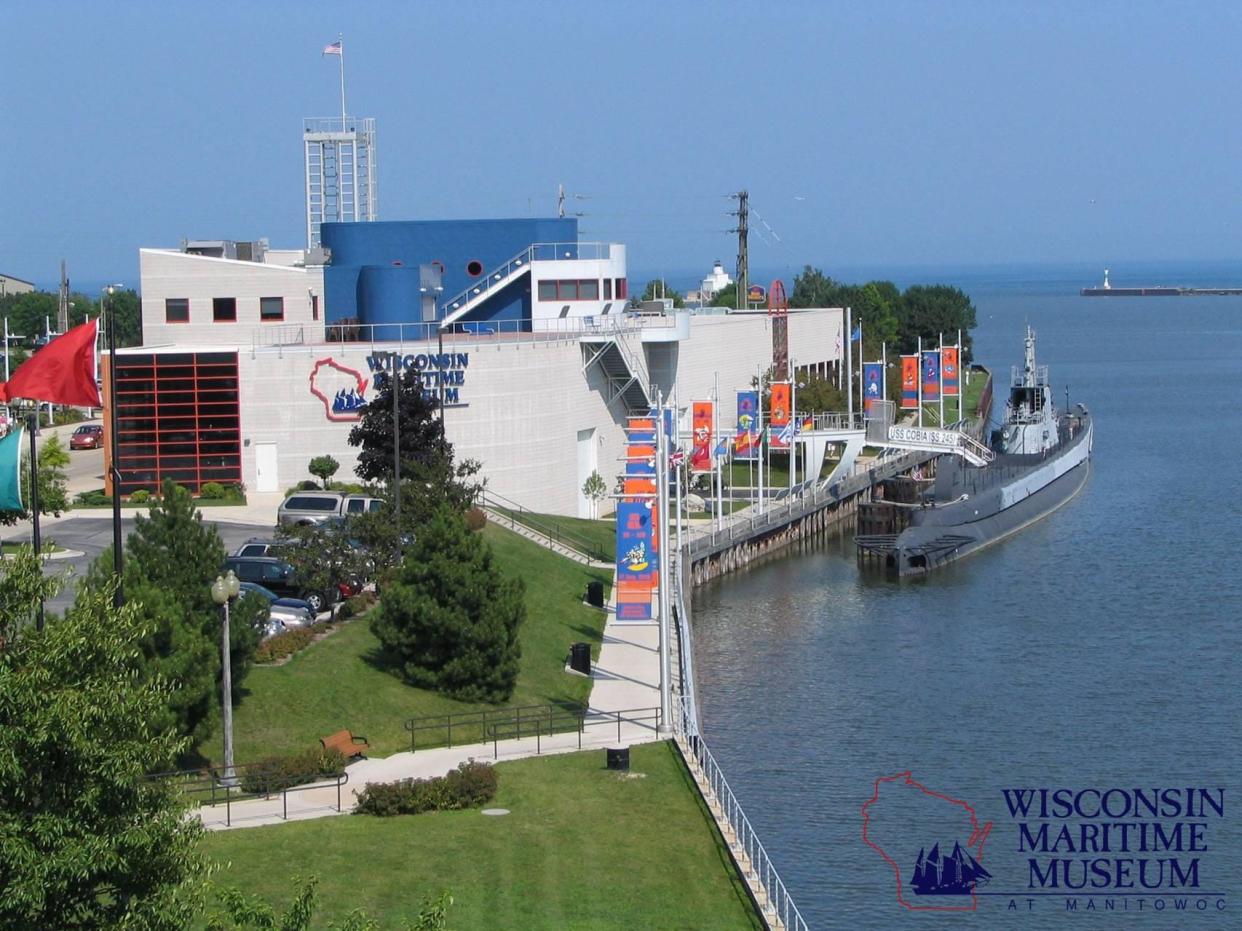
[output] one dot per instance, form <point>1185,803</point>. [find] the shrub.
<point>95,496</point>
<point>236,492</point>
<point>283,772</point>
<point>470,784</point>
<point>475,519</point>
<point>212,491</point>
<point>360,603</point>
<point>141,496</point>
<point>288,642</point>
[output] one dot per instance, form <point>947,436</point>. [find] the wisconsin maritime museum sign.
<point>345,391</point>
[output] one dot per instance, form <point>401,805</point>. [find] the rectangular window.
<point>623,290</point>
<point>176,310</point>
<point>547,290</point>
<point>315,307</point>
<point>608,289</point>
<point>271,308</point>
<point>224,309</point>
<point>588,290</point>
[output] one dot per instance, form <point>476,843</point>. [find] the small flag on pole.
<point>11,471</point>
<point>857,334</point>
<point>333,49</point>
<point>722,448</point>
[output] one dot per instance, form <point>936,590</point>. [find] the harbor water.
<point>1096,651</point>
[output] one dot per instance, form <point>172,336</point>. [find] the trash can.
<point>595,594</point>
<point>619,759</point>
<point>580,658</point>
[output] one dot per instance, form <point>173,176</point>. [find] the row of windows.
<point>582,289</point>
<point>224,309</point>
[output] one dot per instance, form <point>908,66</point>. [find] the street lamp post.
<point>224,590</point>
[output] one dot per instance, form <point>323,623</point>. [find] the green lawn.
<point>583,848</point>
<point>596,538</point>
<point>343,681</point>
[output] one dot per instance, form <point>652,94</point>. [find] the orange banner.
<point>701,450</point>
<point>948,370</point>
<point>779,414</point>
<point>910,382</point>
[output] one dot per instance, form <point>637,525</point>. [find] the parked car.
<point>314,507</point>
<point>256,546</point>
<point>280,577</point>
<point>288,612</point>
<point>87,436</point>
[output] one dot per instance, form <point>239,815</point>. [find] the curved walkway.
<point>625,682</point>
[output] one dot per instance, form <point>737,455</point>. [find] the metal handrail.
<point>507,730</point>
<point>751,855</point>
<point>210,783</point>
<point>508,508</point>
<point>536,252</point>
<point>481,719</point>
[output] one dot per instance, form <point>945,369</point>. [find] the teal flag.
<point>11,471</point>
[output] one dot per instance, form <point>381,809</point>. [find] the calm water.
<point>1097,649</point>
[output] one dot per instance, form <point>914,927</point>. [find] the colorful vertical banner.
<point>701,450</point>
<point>873,384</point>
<point>931,375</point>
<point>909,383</point>
<point>11,471</point>
<point>780,414</point>
<point>636,559</point>
<point>746,438</point>
<point>949,366</point>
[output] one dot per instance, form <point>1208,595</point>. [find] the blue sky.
<point>867,134</point>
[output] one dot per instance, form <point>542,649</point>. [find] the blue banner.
<point>873,384</point>
<point>746,439</point>
<point>931,375</point>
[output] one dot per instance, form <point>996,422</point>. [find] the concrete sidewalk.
<point>625,685</point>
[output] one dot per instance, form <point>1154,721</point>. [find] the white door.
<point>265,477</point>
<point>587,461</point>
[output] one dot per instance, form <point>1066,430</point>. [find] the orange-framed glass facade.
<point>178,418</point>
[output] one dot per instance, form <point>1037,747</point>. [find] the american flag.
<point>333,49</point>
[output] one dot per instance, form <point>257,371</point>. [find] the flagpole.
<point>940,370</point>
<point>340,37</point>
<point>118,596</point>
<point>793,423</point>
<point>32,423</point>
<point>763,447</point>
<point>919,373</point>
<point>716,439</point>
<point>661,520</point>
<point>849,364</point>
<point>884,370</point>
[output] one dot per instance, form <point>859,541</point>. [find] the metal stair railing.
<point>480,289</point>
<point>544,526</point>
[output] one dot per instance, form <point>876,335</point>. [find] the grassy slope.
<point>342,682</point>
<point>583,848</point>
<point>573,531</point>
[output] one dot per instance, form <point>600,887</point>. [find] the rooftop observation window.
<point>177,310</point>
<point>224,309</point>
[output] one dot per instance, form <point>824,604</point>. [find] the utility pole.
<point>62,311</point>
<point>743,256</point>
<point>560,200</point>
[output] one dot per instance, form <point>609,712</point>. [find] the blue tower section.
<point>373,277</point>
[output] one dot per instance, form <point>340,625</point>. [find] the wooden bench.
<point>348,744</point>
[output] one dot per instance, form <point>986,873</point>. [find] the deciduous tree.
<point>87,840</point>
<point>323,468</point>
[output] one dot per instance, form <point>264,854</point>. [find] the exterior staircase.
<point>624,366</point>
<point>476,293</point>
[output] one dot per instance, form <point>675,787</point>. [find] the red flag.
<point>62,372</point>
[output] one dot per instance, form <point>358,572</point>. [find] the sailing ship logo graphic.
<point>900,817</point>
<point>957,874</point>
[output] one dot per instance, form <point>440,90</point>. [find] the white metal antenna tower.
<point>340,172</point>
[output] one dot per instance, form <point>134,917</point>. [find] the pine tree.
<point>452,619</point>
<point>171,559</point>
